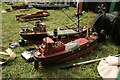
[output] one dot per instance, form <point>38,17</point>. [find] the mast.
<point>79,12</point>
<point>87,33</point>
<point>78,18</point>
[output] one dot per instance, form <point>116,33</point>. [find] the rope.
<point>7,52</point>
<point>68,17</point>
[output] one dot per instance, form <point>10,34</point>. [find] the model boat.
<point>36,34</point>
<point>38,14</point>
<point>39,32</point>
<point>17,7</point>
<point>55,51</point>
<point>50,6</point>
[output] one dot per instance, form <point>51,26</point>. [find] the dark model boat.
<point>39,32</point>
<point>55,51</point>
<point>38,14</point>
<point>50,6</point>
<point>17,7</point>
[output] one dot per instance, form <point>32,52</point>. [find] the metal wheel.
<point>101,8</point>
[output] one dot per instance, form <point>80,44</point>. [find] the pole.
<point>81,63</point>
<point>78,18</point>
<point>87,33</point>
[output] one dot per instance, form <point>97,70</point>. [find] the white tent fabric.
<point>112,60</point>
<point>108,68</point>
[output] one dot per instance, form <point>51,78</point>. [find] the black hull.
<point>19,7</point>
<point>49,7</point>
<point>39,37</point>
<point>62,35</point>
<point>33,37</point>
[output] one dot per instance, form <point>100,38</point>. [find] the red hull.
<point>34,15</point>
<point>60,57</point>
<point>56,54</point>
<point>76,55</point>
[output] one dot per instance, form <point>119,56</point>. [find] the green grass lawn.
<point>19,68</point>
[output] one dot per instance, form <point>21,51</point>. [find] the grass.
<point>19,68</point>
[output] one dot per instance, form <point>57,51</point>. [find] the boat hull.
<point>67,56</point>
<point>33,37</point>
<point>33,15</point>
<point>16,7</point>
<point>49,7</point>
<point>71,57</point>
<point>38,37</point>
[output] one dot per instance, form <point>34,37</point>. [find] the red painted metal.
<point>64,55</point>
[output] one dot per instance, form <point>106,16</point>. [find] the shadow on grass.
<point>33,19</point>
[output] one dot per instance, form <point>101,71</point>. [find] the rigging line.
<point>68,16</point>
<point>57,21</point>
<point>60,18</point>
<point>76,21</point>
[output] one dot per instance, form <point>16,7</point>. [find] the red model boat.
<point>56,51</point>
<point>33,15</point>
